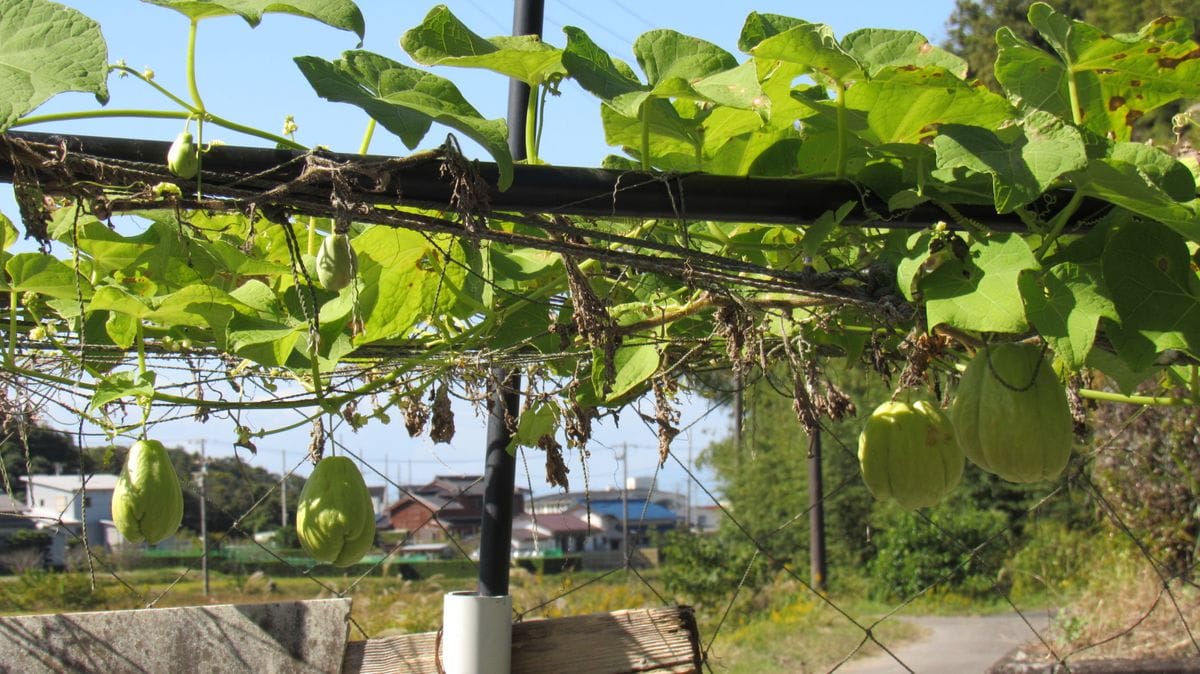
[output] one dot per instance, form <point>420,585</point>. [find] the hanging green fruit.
<point>1011,414</point>
<point>183,158</point>
<point>907,452</point>
<point>337,263</point>
<point>147,501</point>
<point>335,520</point>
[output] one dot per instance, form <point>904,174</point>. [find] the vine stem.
<point>645,113</point>
<point>1058,224</point>
<point>160,114</point>
<point>840,89</point>
<point>12,326</point>
<point>1073,92</point>
<point>191,66</point>
<point>1149,401</point>
<point>367,135</point>
<point>531,125</point>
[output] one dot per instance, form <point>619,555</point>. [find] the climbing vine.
<point>220,267</point>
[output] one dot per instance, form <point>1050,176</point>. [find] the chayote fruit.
<point>907,452</point>
<point>335,520</point>
<point>183,157</point>
<point>147,501</point>
<point>337,263</point>
<point>1011,414</point>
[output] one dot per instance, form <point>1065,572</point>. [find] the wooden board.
<point>622,642</point>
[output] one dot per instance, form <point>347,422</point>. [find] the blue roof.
<point>654,512</point>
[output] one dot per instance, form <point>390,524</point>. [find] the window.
<point>87,501</point>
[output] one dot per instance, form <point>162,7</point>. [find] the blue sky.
<point>248,75</point>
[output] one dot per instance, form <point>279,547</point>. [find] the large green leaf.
<point>441,39</point>
<point>46,49</point>
<point>879,48</point>
<point>1065,305</point>
<point>119,385</point>
<point>404,281</point>
<point>1153,287</point>
<point>596,71</point>
<point>1117,78</point>
<point>1022,160</point>
<point>633,364</point>
<point>46,275</point>
<point>667,55</point>
<point>406,101</point>
<point>980,292</point>
<point>1128,186</point>
<point>813,46</point>
<point>907,105</point>
<point>536,422</point>
<point>342,14</point>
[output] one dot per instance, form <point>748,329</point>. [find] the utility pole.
<point>204,514</point>
<point>283,490</point>
<point>689,483</point>
<point>816,514</point>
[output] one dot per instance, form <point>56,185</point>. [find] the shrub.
<point>915,553</point>
<point>703,569</point>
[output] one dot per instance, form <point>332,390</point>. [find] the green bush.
<point>702,569</point>
<point>913,554</point>
<point>40,590</point>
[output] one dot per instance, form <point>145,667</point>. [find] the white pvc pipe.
<point>476,634</point>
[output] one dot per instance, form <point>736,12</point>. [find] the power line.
<point>597,24</point>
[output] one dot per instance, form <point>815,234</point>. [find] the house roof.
<point>653,512</point>
<point>96,482</point>
<point>555,523</point>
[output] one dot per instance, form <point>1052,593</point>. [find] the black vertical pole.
<point>816,514</point>
<point>499,478</point>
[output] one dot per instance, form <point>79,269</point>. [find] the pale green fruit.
<point>908,452</point>
<point>183,158</point>
<point>147,501</point>
<point>337,263</point>
<point>1011,414</point>
<point>334,518</point>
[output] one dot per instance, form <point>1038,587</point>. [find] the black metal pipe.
<point>565,190</point>
<point>504,405</point>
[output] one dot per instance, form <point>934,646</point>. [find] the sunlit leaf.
<point>47,49</point>
<point>342,14</point>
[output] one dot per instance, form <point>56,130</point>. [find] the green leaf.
<point>536,422</point>
<point>8,232</point>
<point>267,342</point>
<point>1170,175</point>
<point>1153,287</point>
<point>114,299</point>
<point>46,275</point>
<point>981,292</point>
<point>1022,160</point>
<point>759,26</point>
<point>1126,185</point>
<point>441,39</point>
<point>404,280</point>
<point>879,48</point>
<point>634,365</point>
<point>813,46</point>
<point>47,49</point>
<point>405,101</point>
<point>1126,378</point>
<point>341,14</point>
<point>122,385</point>
<point>597,72</point>
<point>1065,305</point>
<point>121,329</point>
<point>666,55</point>
<point>907,105</point>
<point>1117,78</point>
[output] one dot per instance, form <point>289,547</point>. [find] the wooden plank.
<point>300,637</point>
<point>622,642</point>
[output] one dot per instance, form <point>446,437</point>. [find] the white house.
<point>51,499</point>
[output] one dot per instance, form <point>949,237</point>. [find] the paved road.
<point>954,645</point>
